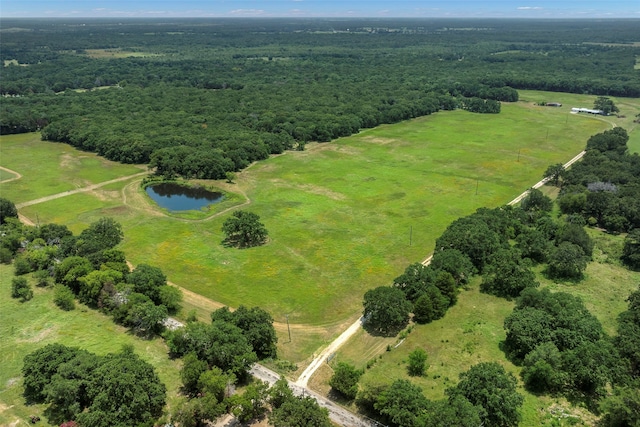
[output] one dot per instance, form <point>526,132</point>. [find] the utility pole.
<point>477,184</point>
<point>410,234</point>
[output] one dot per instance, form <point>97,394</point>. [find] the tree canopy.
<point>114,390</point>
<point>244,229</point>
<point>386,311</point>
<point>7,210</point>
<point>488,386</point>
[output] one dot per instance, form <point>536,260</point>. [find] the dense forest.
<point>199,98</point>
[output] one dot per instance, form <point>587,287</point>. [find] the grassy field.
<point>49,168</point>
<point>343,217</point>
<point>25,327</point>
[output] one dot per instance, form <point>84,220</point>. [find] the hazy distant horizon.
<point>541,9</point>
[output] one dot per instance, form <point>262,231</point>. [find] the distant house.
<point>553,104</point>
<point>588,111</point>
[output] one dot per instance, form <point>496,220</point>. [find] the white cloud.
<point>530,8</point>
<point>248,12</point>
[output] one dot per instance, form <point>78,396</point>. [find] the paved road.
<point>337,413</point>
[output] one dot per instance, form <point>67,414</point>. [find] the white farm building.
<point>587,110</point>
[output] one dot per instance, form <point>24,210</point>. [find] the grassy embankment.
<point>339,215</point>
<point>25,327</point>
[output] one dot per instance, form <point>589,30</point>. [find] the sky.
<point>322,8</point>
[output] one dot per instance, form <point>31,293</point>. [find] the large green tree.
<point>567,261</point>
<point>605,104</point>
<point>124,390</point>
<point>244,229</point>
<point>403,404</point>
<point>256,325</point>
<point>489,386</point>
<point>507,275</point>
<point>631,249</point>
<point>345,379</point>
<point>554,173</point>
<point>415,280</point>
<point>40,366</point>
<point>545,316</point>
<point>386,311</point>
<point>105,233</point>
<point>628,338</point>
<point>7,210</point>
<point>455,263</point>
<point>299,412</point>
<point>148,280</point>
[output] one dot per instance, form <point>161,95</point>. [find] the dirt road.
<point>77,190</point>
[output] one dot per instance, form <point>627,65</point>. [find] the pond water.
<point>175,197</point>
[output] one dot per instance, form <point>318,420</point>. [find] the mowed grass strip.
<point>26,327</point>
<point>49,168</point>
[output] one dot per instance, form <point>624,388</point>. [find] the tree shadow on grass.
<point>386,331</point>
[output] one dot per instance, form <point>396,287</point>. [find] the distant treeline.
<point>199,98</point>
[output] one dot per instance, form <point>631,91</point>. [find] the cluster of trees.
<point>604,188</point>
<point>88,267</point>
<point>233,341</point>
<point>564,351</point>
<point>481,244</point>
<point>213,399</point>
<point>218,355</point>
<point>117,389</point>
<point>485,395</point>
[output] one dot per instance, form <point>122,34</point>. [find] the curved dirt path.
<point>17,175</point>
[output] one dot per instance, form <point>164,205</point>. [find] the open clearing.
<point>343,217</point>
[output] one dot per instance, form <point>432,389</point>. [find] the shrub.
<point>21,289</point>
<point>63,297</point>
<point>5,256</point>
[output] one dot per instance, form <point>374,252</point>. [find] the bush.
<point>21,266</point>
<point>5,256</point>
<point>63,297</point>
<point>21,289</point>
<point>43,278</point>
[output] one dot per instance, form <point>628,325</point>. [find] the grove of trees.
<point>216,95</point>
<point>97,391</point>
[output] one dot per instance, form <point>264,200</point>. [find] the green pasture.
<point>343,217</point>
<point>25,327</point>
<point>49,168</point>
<point>629,109</point>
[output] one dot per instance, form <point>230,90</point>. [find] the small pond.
<point>175,197</point>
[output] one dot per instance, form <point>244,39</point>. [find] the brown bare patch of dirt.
<point>310,188</point>
<point>377,140</point>
<point>33,336</point>
<point>104,195</point>
<point>67,161</point>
